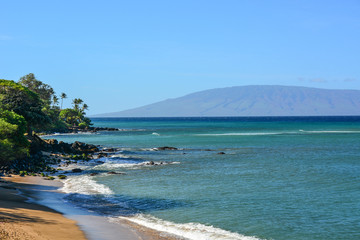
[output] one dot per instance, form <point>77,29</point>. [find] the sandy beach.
<point>31,208</point>
<point>20,219</point>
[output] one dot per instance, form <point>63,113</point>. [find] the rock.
<point>93,174</point>
<point>51,141</point>
<point>101,155</point>
<point>114,173</point>
<point>166,148</point>
<point>76,170</point>
<point>220,153</point>
<point>108,150</point>
<point>151,163</point>
<point>103,129</point>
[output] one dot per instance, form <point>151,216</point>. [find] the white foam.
<point>155,134</point>
<point>84,185</point>
<point>192,231</point>
<point>69,134</point>
<point>112,166</point>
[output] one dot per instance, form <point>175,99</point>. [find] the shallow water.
<point>280,178</point>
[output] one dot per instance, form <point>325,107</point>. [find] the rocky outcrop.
<point>53,145</point>
<point>165,148</point>
<point>103,129</point>
<point>84,147</point>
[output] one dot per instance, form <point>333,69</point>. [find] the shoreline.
<point>24,219</point>
<point>36,193</point>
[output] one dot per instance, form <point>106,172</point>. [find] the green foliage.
<point>80,157</point>
<point>62,96</point>
<point>21,100</point>
<point>32,105</point>
<point>76,102</point>
<point>82,125</point>
<point>23,173</point>
<point>43,90</point>
<point>70,116</point>
<point>13,144</point>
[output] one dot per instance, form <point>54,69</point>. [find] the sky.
<point>117,55</point>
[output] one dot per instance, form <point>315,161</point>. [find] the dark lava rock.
<point>93,174</point>
<point>220,153</point>
<point>101,155</point>
<point>76,170</point>
<point>114,173</point>
<point>166,148</point>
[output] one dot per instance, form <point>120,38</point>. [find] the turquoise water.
<point>280,178</point>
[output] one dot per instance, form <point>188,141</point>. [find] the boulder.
<point>166,148</point>
<point>113,172</point>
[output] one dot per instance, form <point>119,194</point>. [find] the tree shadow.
<point>15,207</point>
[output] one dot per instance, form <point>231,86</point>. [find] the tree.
<point>55,100</point>
<point>62,96</point>
<point>44,91</point>
<point>13,144</point>
<point>84,107</point>
<point>19,99</point>
<point>70,116</point>
<point>76,102</point>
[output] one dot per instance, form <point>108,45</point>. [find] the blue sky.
<point>117,55</point>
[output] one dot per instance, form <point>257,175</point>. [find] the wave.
<point>192,231</point>
<point>130,165</point>
<point>132,130</point>
<point>84,184</point>
<point>69,134</point>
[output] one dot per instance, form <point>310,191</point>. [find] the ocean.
<point>230,178</point>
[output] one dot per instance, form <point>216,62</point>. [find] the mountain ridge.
<point>252,100</point>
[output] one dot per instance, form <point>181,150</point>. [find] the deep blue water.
<point>280,178</point>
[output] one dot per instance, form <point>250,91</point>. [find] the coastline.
<point>21,219</point>
<point>32,208</point>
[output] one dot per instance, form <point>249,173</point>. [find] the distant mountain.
<point>253,101</point>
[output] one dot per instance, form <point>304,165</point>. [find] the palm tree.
<point>62,96</point>
<point>76,102</point>
<point>55,100</point>
<point>85,107</point>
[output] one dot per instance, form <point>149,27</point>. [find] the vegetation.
<point>29,106</point>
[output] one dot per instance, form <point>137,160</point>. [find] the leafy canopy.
<point>21,100</point>
<point>44,91</point>
<point>13,143</point>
